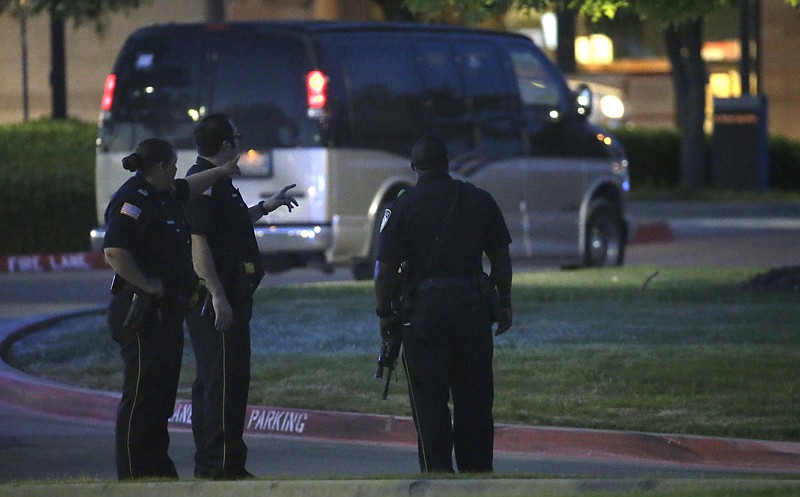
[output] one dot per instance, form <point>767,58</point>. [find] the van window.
<point>384,107</point>
<point>444,102</point>
<point>157,84</point>
<point>537,87</point>
<point>540,89</point>
<point>259,81</point>
<point>491,98</point>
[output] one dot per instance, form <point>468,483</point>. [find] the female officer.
<point>148,245</point>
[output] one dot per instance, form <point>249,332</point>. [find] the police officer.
<point>439,231</point>
<point>226,255</point>
<point>147,245</point>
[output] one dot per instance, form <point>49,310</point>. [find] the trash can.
<point>740,158</point>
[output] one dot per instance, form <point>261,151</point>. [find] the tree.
<point>683,36</point>
<point>215,10</point>
<point>79,11</point>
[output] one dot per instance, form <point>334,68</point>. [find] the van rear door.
<point>153,91</point>
<point>257,76</point>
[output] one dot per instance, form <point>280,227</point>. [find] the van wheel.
<point>364,269</point>
<point>605,236</point>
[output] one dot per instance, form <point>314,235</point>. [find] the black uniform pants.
<point>152,365</point>
<point>448,351</point>
<point>219,393</point>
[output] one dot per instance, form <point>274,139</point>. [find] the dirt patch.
<point>783,279</point>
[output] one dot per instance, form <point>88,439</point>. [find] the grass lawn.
<point>681,351</point>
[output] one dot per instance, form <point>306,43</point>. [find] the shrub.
<point>784,162</point>
<point>654,158</point>
<point>47,186</point>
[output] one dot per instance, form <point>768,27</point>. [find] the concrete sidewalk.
<point>471,487</point>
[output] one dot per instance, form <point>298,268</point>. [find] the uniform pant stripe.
<point>224,399</point>
<point>135,399</point>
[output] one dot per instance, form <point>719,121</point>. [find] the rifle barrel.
<point>386,380</point>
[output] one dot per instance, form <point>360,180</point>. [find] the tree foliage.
<point>79,11</point>
<point>664,11</point>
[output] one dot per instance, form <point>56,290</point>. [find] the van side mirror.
<point>583,101</point>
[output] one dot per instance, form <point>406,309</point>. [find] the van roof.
<point>329,26</point>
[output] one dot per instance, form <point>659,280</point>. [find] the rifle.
<point>387,359</point>
<point>390,349</point>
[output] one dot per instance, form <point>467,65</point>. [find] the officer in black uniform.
<point>147,244</point>
<point>226,256</point>
<point>438,231</point>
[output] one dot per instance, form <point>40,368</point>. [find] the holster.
<point>403,304</point>
<point>249,276</point>
<point>196,296</point>
<point>142,307</point>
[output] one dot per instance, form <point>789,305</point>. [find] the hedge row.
<point>654,158</point>
<point>47,179</point>
<point>46,186</point>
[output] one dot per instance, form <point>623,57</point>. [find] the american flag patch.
<point>130,210</point>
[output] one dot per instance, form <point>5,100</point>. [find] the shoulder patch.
<point>130,210</point>
<point>385,220</point>
<point>207,192</point>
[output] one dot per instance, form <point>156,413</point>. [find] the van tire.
<point>605,235</point>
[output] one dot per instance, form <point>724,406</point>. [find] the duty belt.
<point>448,282</point>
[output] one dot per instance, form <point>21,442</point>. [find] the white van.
<point>336,108</point>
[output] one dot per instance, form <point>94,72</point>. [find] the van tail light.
<point>317,87</point>
<point>108,93</point>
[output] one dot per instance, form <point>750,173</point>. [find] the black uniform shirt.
<point>152,226</point>
<point>413,219</point>
<point>222,216</point>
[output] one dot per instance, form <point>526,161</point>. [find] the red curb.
<point>684,450</point>
<point>267,420</point>
<point>39,263</point>
<point>652,232</point>
<point>53,398</point>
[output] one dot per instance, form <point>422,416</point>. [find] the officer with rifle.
<point>439,231</point>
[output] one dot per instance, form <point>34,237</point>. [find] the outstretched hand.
<point>231,167</point>
<point>281,198</point>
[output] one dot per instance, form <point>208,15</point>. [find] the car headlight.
<point>612,107</point>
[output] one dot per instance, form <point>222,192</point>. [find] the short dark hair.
<point>148,153</point>
<point>210,132</point>
<point>429,153</point>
